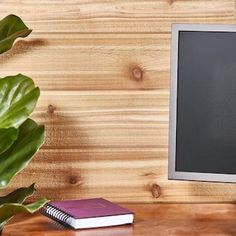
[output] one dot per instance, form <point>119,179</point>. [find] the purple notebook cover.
<point>96,207</point>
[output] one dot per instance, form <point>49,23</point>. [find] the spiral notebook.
<point>88,213</point>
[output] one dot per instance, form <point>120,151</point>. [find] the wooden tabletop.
<point>151,220</point>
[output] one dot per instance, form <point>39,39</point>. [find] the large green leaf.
<point>16,158</point>
<point>7,138</point>
<point>18,97</point>
<point>18,196</point>
<point>11,203</point>
<point>8,210</point>
<point>11,28</point>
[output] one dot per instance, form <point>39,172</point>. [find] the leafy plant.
<point>20,136</point>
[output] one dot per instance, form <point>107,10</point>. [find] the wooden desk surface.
<point>151,220</point>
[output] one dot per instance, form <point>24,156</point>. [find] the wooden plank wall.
<point>103,68</point>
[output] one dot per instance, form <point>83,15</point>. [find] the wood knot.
<point>137,73</point>
<point>170,2</point>
<point>51,109</point>
<point>156,190</point>
<point>149,174</point>
<point>73,179</point>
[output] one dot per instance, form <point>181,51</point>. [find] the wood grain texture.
<point>127,175</point>
<point>113,16</point>
<point>151,219</point>
<point>103,68</point>
<point>92,62</point>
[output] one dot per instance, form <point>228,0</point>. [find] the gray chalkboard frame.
<point>172,173</point>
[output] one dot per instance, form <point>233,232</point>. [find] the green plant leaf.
<point>11,28</point>
<point>18,196</point>
<point>8,210</point>
<point>11,204</point>
<point>18,97</point>
<point>7,138</point>
<point>17,157</point>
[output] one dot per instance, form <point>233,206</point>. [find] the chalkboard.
<point>206,102</point>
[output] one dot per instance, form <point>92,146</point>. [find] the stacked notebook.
<point>90,213</point>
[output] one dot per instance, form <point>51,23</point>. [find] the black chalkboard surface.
<point>206,102</point>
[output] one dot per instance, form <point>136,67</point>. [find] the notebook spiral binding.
<point>56,214</point>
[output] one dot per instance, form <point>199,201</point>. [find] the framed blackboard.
<point>202,136</point>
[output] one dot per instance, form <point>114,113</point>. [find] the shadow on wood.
<point>22,47</point>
